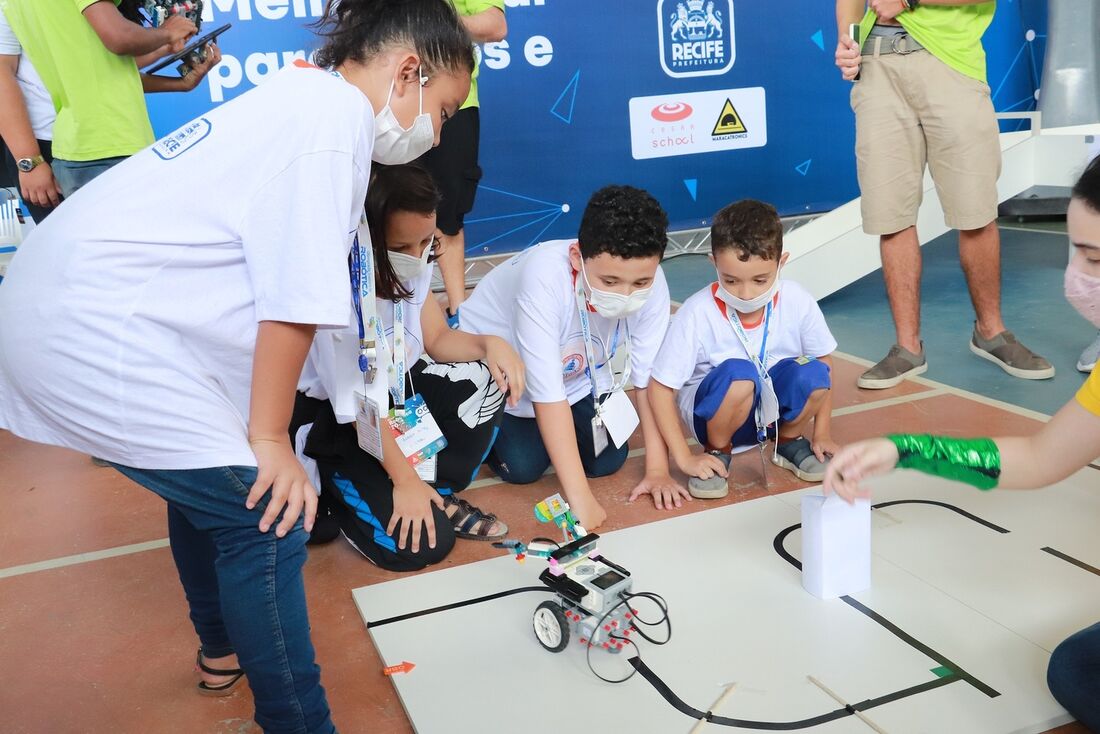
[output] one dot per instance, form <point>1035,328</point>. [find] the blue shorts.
<point>793,379</point>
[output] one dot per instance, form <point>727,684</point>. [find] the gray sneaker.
<point>1088,358</point>
<point>1011,356</point>
<point>798,458</point>
<point>714,488</point>
<point>894,367</point>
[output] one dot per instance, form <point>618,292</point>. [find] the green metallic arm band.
<point>975,461</point>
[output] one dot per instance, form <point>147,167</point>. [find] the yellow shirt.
<point>1089,394</point>
<point>953,34</point>
<point>473,7</point>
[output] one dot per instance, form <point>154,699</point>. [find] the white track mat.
<point>968,598</point>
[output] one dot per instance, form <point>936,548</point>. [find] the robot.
<point>159,11</point>
<point>592,602</point>
<point>593,599</point>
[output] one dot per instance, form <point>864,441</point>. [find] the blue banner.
<point>701,102</point>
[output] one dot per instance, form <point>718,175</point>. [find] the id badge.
<point>769,403</point>
<point>368,426</point>
<point>427,468</point>
<point>416,432</point>
<point>599,435</point>
<point>619,417</point>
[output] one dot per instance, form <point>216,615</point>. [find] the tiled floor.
<point>102,644</point>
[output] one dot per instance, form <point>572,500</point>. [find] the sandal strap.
<point>467,516</point>
<point>214,671</point>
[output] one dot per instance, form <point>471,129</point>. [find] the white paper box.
<point>836,546</point>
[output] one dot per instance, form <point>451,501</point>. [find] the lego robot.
<point>592,603</point>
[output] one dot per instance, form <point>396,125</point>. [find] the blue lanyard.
<point>362,292</point>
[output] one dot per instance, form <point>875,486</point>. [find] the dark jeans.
<point>11,178</point>
<point>519,454</point>
<point>1074,676</point>
<point>245,590</point>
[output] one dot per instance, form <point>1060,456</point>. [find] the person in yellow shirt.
<point>88,54</point>
<point>921,99</point>
<point>1069,442</point>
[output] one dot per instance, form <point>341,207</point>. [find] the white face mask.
<point>394,144</point>
<point>755,304</point>
<point>614,305</point>
<point>407,267</point>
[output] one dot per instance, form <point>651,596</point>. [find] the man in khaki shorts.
<point>922,98</point>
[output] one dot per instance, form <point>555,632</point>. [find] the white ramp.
<point>954,634</point>
<point>832,251</point>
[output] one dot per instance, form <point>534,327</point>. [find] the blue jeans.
<point>71,175</point>
<point>1074,676</point>
<point>245,590</point>
<point>519,454</point>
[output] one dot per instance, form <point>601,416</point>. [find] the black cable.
<point>588,645</point>
<point>665,620</point>
<point>545,540</point>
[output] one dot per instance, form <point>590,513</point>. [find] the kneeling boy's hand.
<point>588,512</point>
<point>412,510</point>
<point>703,466</point>
<point>666,492</point>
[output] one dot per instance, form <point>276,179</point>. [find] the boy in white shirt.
<point>742,354</point>
<point>564,305</point>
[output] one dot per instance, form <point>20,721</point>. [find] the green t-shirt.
<point>97,94</point>
<point>952,33</point>
<point>473,7</point>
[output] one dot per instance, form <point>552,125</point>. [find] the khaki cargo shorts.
<point>913,109</point>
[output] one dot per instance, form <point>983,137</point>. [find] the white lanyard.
<point>586,333</point>
<point>371,336</point>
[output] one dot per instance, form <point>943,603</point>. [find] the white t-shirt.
<point>40,107</point>
<point>530,302</point>
<point>128,319</point>
<point>701,337</point>
<point>332,369</point>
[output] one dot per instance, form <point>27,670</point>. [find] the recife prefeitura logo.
<point>696,36</point>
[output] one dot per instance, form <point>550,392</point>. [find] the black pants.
<point>454,167</point>
<point>9,177</point>
<point>468,407</point>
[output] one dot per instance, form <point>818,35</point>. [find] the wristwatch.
<point>26,165</point>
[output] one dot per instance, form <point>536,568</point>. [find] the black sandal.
<point>224,689</point>
<point>466,516</point>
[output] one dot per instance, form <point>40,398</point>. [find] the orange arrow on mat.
<point>404,667</point>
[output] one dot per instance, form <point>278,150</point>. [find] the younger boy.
<point>746,352</point>
<point>567,307</point>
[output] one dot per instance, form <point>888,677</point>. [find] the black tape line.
<point>458,604</point>
<point>678,703</point>
<point>918,645</point>
<point>902,635</point>
<point>946,506</point>
<point>1071,559</point>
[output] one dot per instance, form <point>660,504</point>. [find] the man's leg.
<point>964,157</point>
<point>890,159</point>
<point>901,268</point>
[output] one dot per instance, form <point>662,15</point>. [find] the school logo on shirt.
<point>572,365</point>
<point>696,37</point>
<point>187,137</point>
